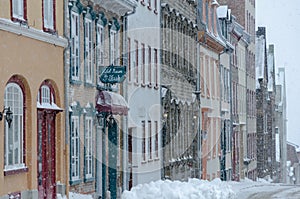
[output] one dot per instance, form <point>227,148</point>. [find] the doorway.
<point>46,154</point>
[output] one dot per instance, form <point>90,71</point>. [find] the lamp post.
<point>101,117</point>
<point>8,115</point>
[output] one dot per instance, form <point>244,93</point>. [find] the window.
<point>149,65</point>
<point>149,140</point>
<point>202,75</point>
<point>143,141</point>
<point>49,15</point>
<point>45,94</point>
<point>18,10</point>
<point>75,148</point>
<point>114,47</point>
<point>100,40</point>
<point>207,77</point>
<point>155,7</point>
<point>136,62</point>
<point>143,63</point>
<point>88,50</point>
<point>129,60</point>
<point>88,147</point>
<point>156,139</point>
<point>156,67</point>
<point>14,139</point>
<point>74,46</point>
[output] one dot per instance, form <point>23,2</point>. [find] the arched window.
<point>14,140</point>
<point>45,98</point>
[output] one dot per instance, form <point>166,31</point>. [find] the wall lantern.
<point>8,115</point>
<point>100,117</point>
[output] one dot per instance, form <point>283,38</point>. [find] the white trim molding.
<point>32,33</point>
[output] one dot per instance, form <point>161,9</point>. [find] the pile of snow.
<point>193,189</point>
<point>79,196</point>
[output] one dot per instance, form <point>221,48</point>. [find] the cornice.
<point>32,33</point>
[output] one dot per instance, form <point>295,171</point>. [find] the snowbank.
<point>193,189</point>
<point>79,196</point>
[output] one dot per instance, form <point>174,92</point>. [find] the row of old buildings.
<point>100,96</point>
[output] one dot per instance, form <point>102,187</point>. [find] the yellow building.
<point>32,143</point>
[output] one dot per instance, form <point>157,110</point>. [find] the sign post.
<point>110,75</point>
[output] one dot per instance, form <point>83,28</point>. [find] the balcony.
<point>120,7</point>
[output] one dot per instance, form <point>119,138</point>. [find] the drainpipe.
<point>66,96</point>
<point>222,130</point>
<point>247,109</point>
<point>199,133</point>
<point>125,185</point>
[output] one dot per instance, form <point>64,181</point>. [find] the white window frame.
<point>75,46</point>
<point>114,47</point>
<point>155,55</point>
<point>18,9</point>
<point>149,65</point>
<point>88,147</point>
<point>144,141</point>
<point>13,98</point>
<point>88,40</point>
<point>48,14</point>
<point>150,147</point>
<point>156,142</point>
<point>75,148</point>
<point>100,41</point>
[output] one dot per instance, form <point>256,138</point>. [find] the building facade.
<point>143,93</point>
<point>96,110</point>
<point>211,47</point>
<point>33,146</point>
<point>271,113</point>
<point>225,18</point>
<point>244,11</point>
<point>180,105</point>
<point>241,41</point>
<point>281,123</point>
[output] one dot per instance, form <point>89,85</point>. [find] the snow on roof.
<point>279,79</point>
<point>271,71</point>
<point>260,58</point>
<point>163,91</point>
<point>222,11</point>
<point>51,106</point>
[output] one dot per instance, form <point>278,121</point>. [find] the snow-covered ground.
<point>193,189</point>
<point>216,189</point>
<point>201,189</point>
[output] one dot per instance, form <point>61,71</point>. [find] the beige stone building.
<point>33,148</point>
<point>95,30</point>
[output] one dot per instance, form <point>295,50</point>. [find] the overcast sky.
<point>281,19</point>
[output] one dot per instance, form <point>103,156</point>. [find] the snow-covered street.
<point>261,190</point>
<point>216,189</point>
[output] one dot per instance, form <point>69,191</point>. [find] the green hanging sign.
<point>113,74</point>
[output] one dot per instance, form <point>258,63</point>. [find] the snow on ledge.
<point>193,189</point>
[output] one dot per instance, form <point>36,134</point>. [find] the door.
<point>46,154</point>
<point>130,157</point>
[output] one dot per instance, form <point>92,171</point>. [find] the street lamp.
<point>8,115</point>
<point>100,118</point>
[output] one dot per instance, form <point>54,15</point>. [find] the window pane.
<point>14,135</point>
<point>18,9</point>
